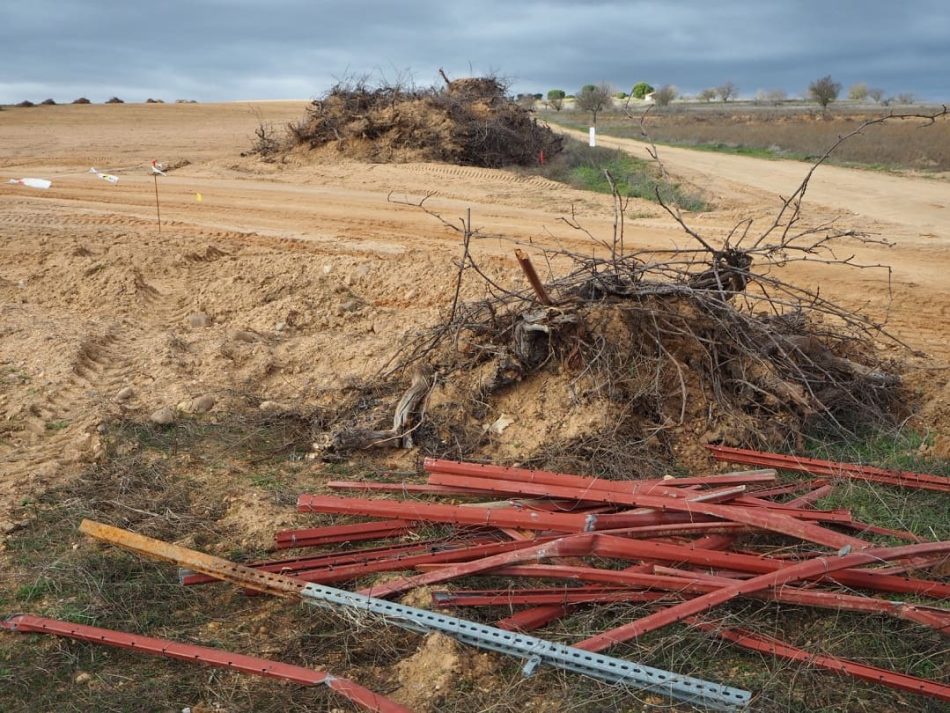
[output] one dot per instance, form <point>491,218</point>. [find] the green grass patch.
<point>925,513</point>
<point>586,168</point>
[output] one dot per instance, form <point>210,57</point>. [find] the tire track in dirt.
<point>470,173</point>
<point>72,412</point>
<point>59,432</point>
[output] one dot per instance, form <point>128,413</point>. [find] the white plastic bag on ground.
<point>33,182</point>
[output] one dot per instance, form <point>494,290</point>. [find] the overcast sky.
<point>293,49</point>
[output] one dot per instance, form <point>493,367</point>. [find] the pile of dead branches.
<point>703,343</point>
<point>469,122</point>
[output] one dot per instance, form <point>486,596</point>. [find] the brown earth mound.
<point>470,122</point>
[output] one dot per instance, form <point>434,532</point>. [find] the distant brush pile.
<point>469,122</point>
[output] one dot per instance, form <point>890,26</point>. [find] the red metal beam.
<point>456,514</point>
<point>756,517</point>
<point>559,596</point>
<point>621,548</point>
<point>932,618</point>
<point>393,556</point>
<point>678,582</point>
<point>811,497</point>
<point>825,467</point>
<point>769,645</point>
<point>562,547</point>
<point>786,575</point>
<point>609,546</point>
<point>789,488</point>
<point>326,575</point>
<point>419,488</point>
<point>481,470</point>
<point>363,697</point>
<point>313,536</point>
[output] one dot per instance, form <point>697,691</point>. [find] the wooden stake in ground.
<point>156,172</point>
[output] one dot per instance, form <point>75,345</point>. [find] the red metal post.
<point>480,470</point>
<point>757,517</point>
<point>786,575</point>
<point>433,512</point>
<point>365,698</point>
<point>313,536</point>
<point>565,546</point>
<point>769,645</point>
<point>831,468</point>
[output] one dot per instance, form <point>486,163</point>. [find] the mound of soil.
<point>469,122</point>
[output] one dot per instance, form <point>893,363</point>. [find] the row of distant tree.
<point>594,98</point>
<point>113,100</point>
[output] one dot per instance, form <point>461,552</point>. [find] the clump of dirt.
<point>469,122</point>
<point>426,677</point>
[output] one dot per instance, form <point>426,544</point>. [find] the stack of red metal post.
<point>682,542</point>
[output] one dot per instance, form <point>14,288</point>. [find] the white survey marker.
<point>33,182</point>
<point>105,176</point>
<point>593,136</point>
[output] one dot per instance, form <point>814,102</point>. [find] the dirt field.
<point>286,280</point>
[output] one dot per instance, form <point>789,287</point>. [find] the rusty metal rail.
<point>365,698</point>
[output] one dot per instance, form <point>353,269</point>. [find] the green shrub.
<point>641,89</point>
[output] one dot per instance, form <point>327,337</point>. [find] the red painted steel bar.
<point>420,488</point>
<point>715,541</point>
<point>622,548</point>
<point>433,512</point>
<point>789,488</point>
<point>681,582</point>
<point>811,497</point>
<point>560,596</point>
<point>769,645</point>
<point>921,563</point>
<point>393,555</point>
<point>534,618</point>
<point>678,529</point>
<point>327,575</point>
<point>757,517</point>
<point>609,546</point>
<point>366,699</point>
<point>481,470</point>
<point>932,618</point>
<point>824,467</point>
<point>786,575</point>
<point>862,527</point>
<point>563,547</point>
<point>313,536</point>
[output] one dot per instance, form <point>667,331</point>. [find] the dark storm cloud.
<point>238,49</point>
